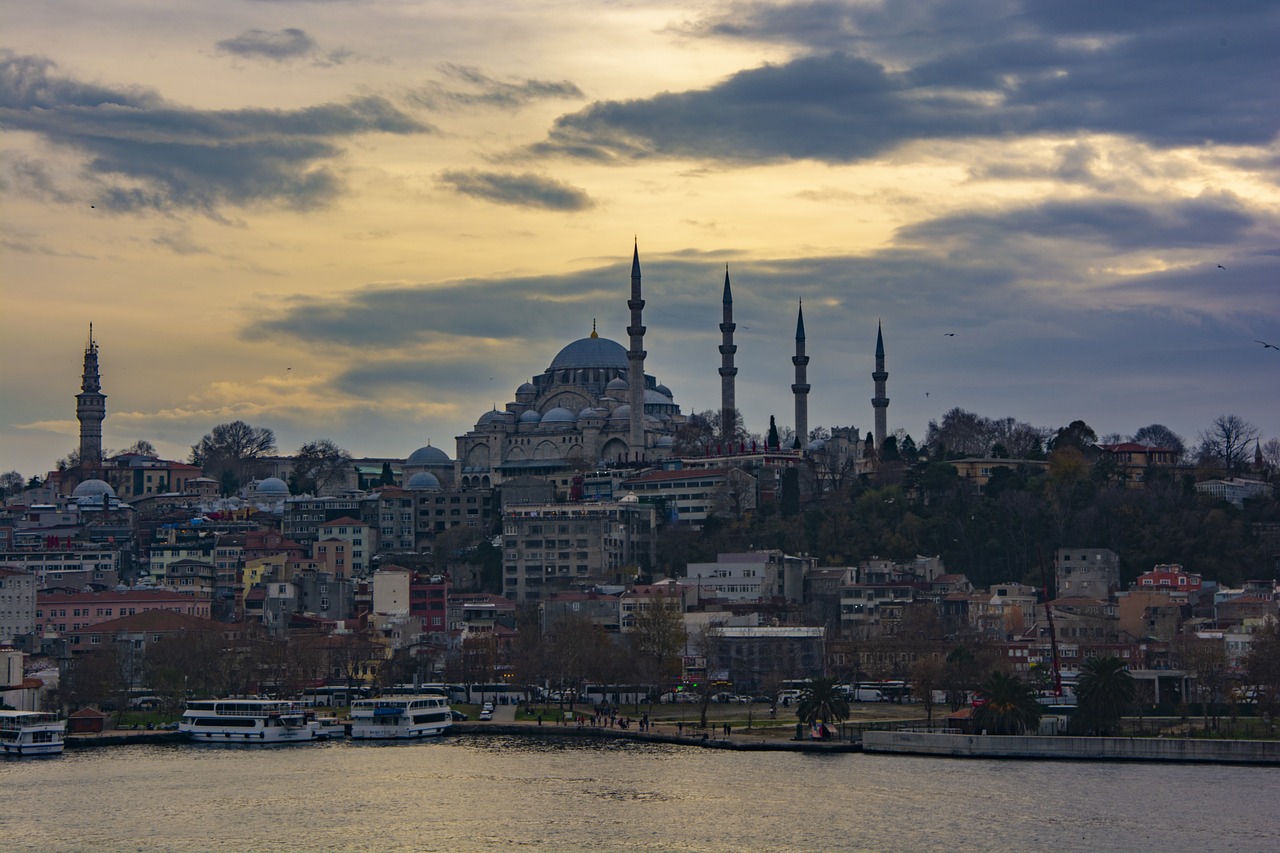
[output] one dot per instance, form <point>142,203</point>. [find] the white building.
<point>17,604</point>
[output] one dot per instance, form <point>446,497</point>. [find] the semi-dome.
<point>530,417</point>
<point>93,489</point>
<point>652,396</point>
<point>423,481</point>
<point>558,415</point>
<point>425,456</point>
<point>272,486</point>
<point>591,352</point>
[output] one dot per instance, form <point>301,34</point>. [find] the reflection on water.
<point>482,794</point>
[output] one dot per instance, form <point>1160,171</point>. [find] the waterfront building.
<point>60,611</point>
<point>17,604</point>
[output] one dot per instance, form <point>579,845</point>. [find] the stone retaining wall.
<point>1074,748</point>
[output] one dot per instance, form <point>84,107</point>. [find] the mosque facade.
<point>593,405</point>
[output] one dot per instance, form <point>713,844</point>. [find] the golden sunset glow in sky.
<point>371,221</point>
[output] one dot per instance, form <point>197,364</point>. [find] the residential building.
<point>551,547</point>
<point>1087,572</point>
<point>17,604</point>
<point>61,611</point>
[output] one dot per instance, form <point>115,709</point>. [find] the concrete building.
<point>1087,572</point>
<point>17,604</point>
<point>77,566</point>
<point>550,548</point>
<point>689,496</point>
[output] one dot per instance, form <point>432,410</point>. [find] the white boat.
<point>386,717</point>
<point>255,721</point>
<point>31,733</point>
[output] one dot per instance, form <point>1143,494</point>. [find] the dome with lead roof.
<point>530,417</point>
<point>426,456</point>
<point>558,416</point>
<point>93,489</point>
<point>423,481</point>
<point>272,487</point>
<point>591,352</point>
<point>616,385</point>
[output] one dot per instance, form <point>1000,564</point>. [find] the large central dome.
<point>591,352</point>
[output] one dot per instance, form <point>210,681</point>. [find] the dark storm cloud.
<point>290,43</point>
<point>147,153</point>
<point>1121,225</point>
<point>468,87</point>
<point>992,71</point>
<point>522,190</point>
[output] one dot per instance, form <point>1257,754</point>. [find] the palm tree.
<point>822,702</point>
<point>1104,692</point>
<point>1009,706</point>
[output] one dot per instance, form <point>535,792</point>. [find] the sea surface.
<point>517,794</point>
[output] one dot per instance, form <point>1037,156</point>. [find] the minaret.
<point>801,386</point>
<point>635,360</point>
<point>91,409</point>
<point>880,402</point>
<point>728,408</point>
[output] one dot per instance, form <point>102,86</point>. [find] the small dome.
<point>664,391</point>
<point>489,417</point>
<point>530,417</point>
<point>425,456</point>
<point>527,388</point>
<point>272,486</point>
<point>93,489</point>
<point>621,413</point>
<point>559,415</point>
<point>817,444</point>
<point>588,412</point>
<point>591,352</point>
<point>616,384</point>
<point>423,481</point>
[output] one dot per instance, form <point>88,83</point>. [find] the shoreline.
<point>919,744</point>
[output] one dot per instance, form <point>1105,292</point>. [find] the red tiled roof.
<point>152,621</point>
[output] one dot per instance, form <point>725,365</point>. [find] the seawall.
<point>1264,752</point>
<point>745,743</point>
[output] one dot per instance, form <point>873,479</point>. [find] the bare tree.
<point>318,466</point>
<point>1227,443</point>
<point>230,452</point>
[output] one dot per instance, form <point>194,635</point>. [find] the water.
<point>503,794</point>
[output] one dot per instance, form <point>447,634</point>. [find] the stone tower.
<point>880,402</point>
<point>91,409</point>
<point>728,407</point>
<point>635,360</point>
<point>801,386</point>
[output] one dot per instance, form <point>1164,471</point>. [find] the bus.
<point>332,697</point>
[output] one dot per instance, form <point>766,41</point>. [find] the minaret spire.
<point>635,359</point>
<point>91,409</point>
<point>801,386</point>
<point>728,407</point>
<point>880,402</point>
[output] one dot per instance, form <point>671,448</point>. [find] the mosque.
<point>594,405</point>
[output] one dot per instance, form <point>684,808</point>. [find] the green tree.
<point>822,702</point>
<point>1105,692</point>
<point>1009,706</point>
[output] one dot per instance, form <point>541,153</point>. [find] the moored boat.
<point>395,717</point>
<point>253,721</point>
<point>31,733</point>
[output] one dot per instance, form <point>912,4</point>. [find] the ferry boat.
<point>255,721</point>
<point>385,717</point>
<point>31,733</point>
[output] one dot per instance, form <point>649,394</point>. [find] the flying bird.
<point>949,334</point>
<point>1266,345</point>
<point>1221,267</point>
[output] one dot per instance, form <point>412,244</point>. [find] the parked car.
<point>458,716</point>
<point>486,714</point>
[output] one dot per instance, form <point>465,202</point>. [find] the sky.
<point>371,221</point>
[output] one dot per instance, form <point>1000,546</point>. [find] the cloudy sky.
<point>370,221</point>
